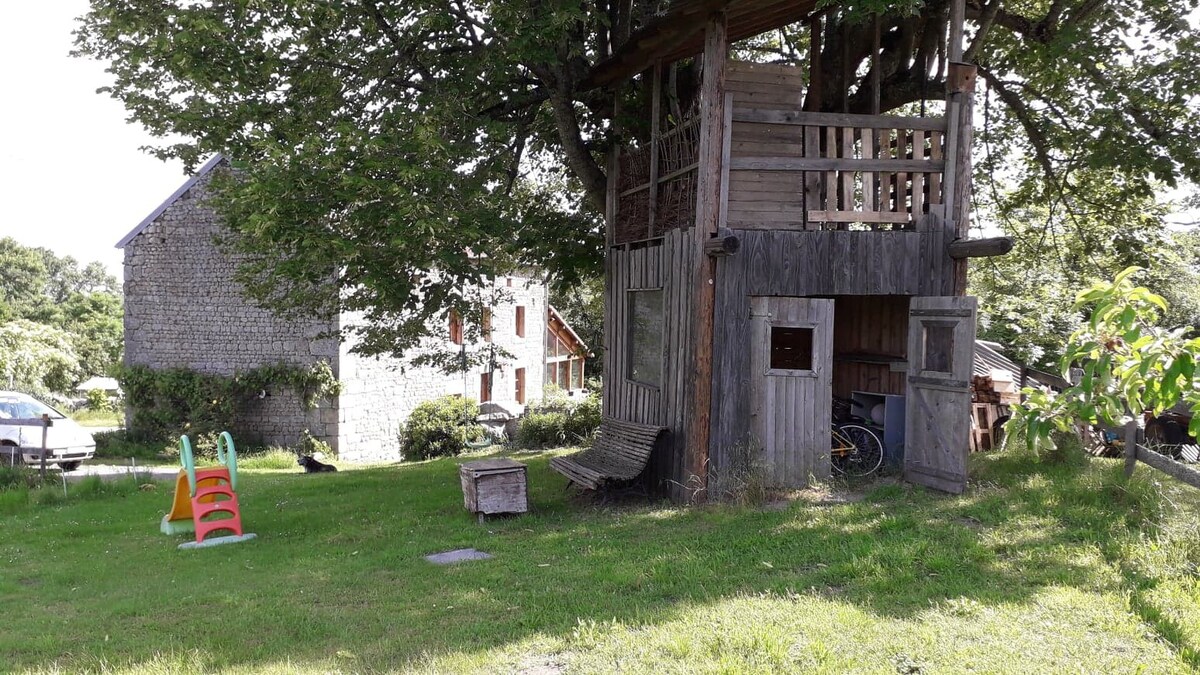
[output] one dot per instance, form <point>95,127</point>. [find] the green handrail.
<point>189,463</point>
<point>227,457</point>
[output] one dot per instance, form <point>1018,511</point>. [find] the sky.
<point>72,178</point>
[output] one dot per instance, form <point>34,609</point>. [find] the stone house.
<point>183,309</point>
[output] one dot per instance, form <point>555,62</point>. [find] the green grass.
<point>98,418</point>
<point>1037,568</point>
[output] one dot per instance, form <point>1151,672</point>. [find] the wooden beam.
<point>724,244</point>
<point>837,164</point>
<point>819,119</point>
<point>708,215</point>
<point>1176,470</point>
<point>979,248</point>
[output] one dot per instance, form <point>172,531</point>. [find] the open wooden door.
<point>792,389</point>
<point>941,352</point>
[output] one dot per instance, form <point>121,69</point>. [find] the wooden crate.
<point>493,486</point>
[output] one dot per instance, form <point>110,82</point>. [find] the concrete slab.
<point>457,556</point>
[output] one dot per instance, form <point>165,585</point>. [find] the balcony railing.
<point>798,170</point>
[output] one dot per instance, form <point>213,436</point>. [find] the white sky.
<point>71,176</point>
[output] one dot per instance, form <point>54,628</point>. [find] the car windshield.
<point>22,407</point>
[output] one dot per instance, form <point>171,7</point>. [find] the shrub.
<point>557,420</point>
<point>118,444</point>
<point>97,400</point>
<point>310,445</point>
<point>440,428</point>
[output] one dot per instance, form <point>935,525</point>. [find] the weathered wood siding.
<point>790,408</point>
<point>790,169</point>
<point>818,263</point>
<point>660,264</point>
<point>867,331</point>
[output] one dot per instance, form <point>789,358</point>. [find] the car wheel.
<point>10,455</point>
<point>69,466</point>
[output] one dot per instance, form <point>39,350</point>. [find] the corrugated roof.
<point>158,211</point>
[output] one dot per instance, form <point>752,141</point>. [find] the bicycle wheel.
<point>867,455</point>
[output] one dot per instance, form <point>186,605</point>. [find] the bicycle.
<point>855,450</point>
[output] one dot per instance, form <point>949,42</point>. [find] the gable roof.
<point>555,316</point>
<point>158,211</point>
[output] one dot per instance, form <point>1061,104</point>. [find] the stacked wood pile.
<point>997,388</point>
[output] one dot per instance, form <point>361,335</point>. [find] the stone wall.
<point>378,394</point>
<point>183,309</point>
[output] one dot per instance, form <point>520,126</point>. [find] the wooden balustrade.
<point>824,171</point>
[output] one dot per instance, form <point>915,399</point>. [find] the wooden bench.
<point>620,453</point>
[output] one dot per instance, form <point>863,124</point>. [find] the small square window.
<point>939,347</point>
<point>791,348</point>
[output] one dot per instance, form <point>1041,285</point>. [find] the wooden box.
<point>494,486</point>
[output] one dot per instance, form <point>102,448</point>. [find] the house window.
<point>579,375</point>
<point>645,337</point>
<point>520,321</point>
<point>456,327</point>
<point>486,325</point>
<point>791,348</point>
<point>520,377</point>
<point>939,346</point>
<point>485,388</point>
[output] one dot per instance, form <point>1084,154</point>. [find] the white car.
<point>69,444</point>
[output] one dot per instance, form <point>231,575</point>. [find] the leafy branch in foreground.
<point>1129,364</point>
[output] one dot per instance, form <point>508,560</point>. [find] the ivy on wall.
<point>166,403</point>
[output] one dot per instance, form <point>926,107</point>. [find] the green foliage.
<point>119,444</point>
<point>559,420</point>
<point>36,358</point>
<point>1128,363</point>
<point>310,445</point>
<point>97,400</point>
<point>81,308</point>
<point>440,428</point>
<point>167,403</point>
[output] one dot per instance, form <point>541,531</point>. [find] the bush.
<point>118,444</point>
<point>558,420</point>
<point>97,401</point>
<point>310,445</point>
<point>440,428</point>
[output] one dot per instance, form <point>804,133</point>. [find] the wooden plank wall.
<point>663,263</point>
<point>814,263</point>
<point>780,193</point>
<point>869,326</point>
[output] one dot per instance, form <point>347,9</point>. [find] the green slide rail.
<point>226,456</point>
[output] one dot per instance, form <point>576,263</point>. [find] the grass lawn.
<point>1038,568</point>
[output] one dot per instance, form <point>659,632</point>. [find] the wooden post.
<point>655,132</point>
<point>45,435</point>
<point>1131,441</point>
<point>708,216</point>
<point>960,110</point>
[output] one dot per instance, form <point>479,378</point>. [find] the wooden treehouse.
<point>763,259</point>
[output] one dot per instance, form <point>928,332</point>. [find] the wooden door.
<point>792,387</point>
<point>941,351</point>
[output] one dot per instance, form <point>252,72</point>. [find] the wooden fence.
<point>1136,452</point>
<point>45,423</point>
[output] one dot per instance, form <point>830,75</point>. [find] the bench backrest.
<point>625,444</point>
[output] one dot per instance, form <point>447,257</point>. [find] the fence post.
<point>1131,441</point>
<point>45,433</point>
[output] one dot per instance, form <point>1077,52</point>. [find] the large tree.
<point>375,140</point>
